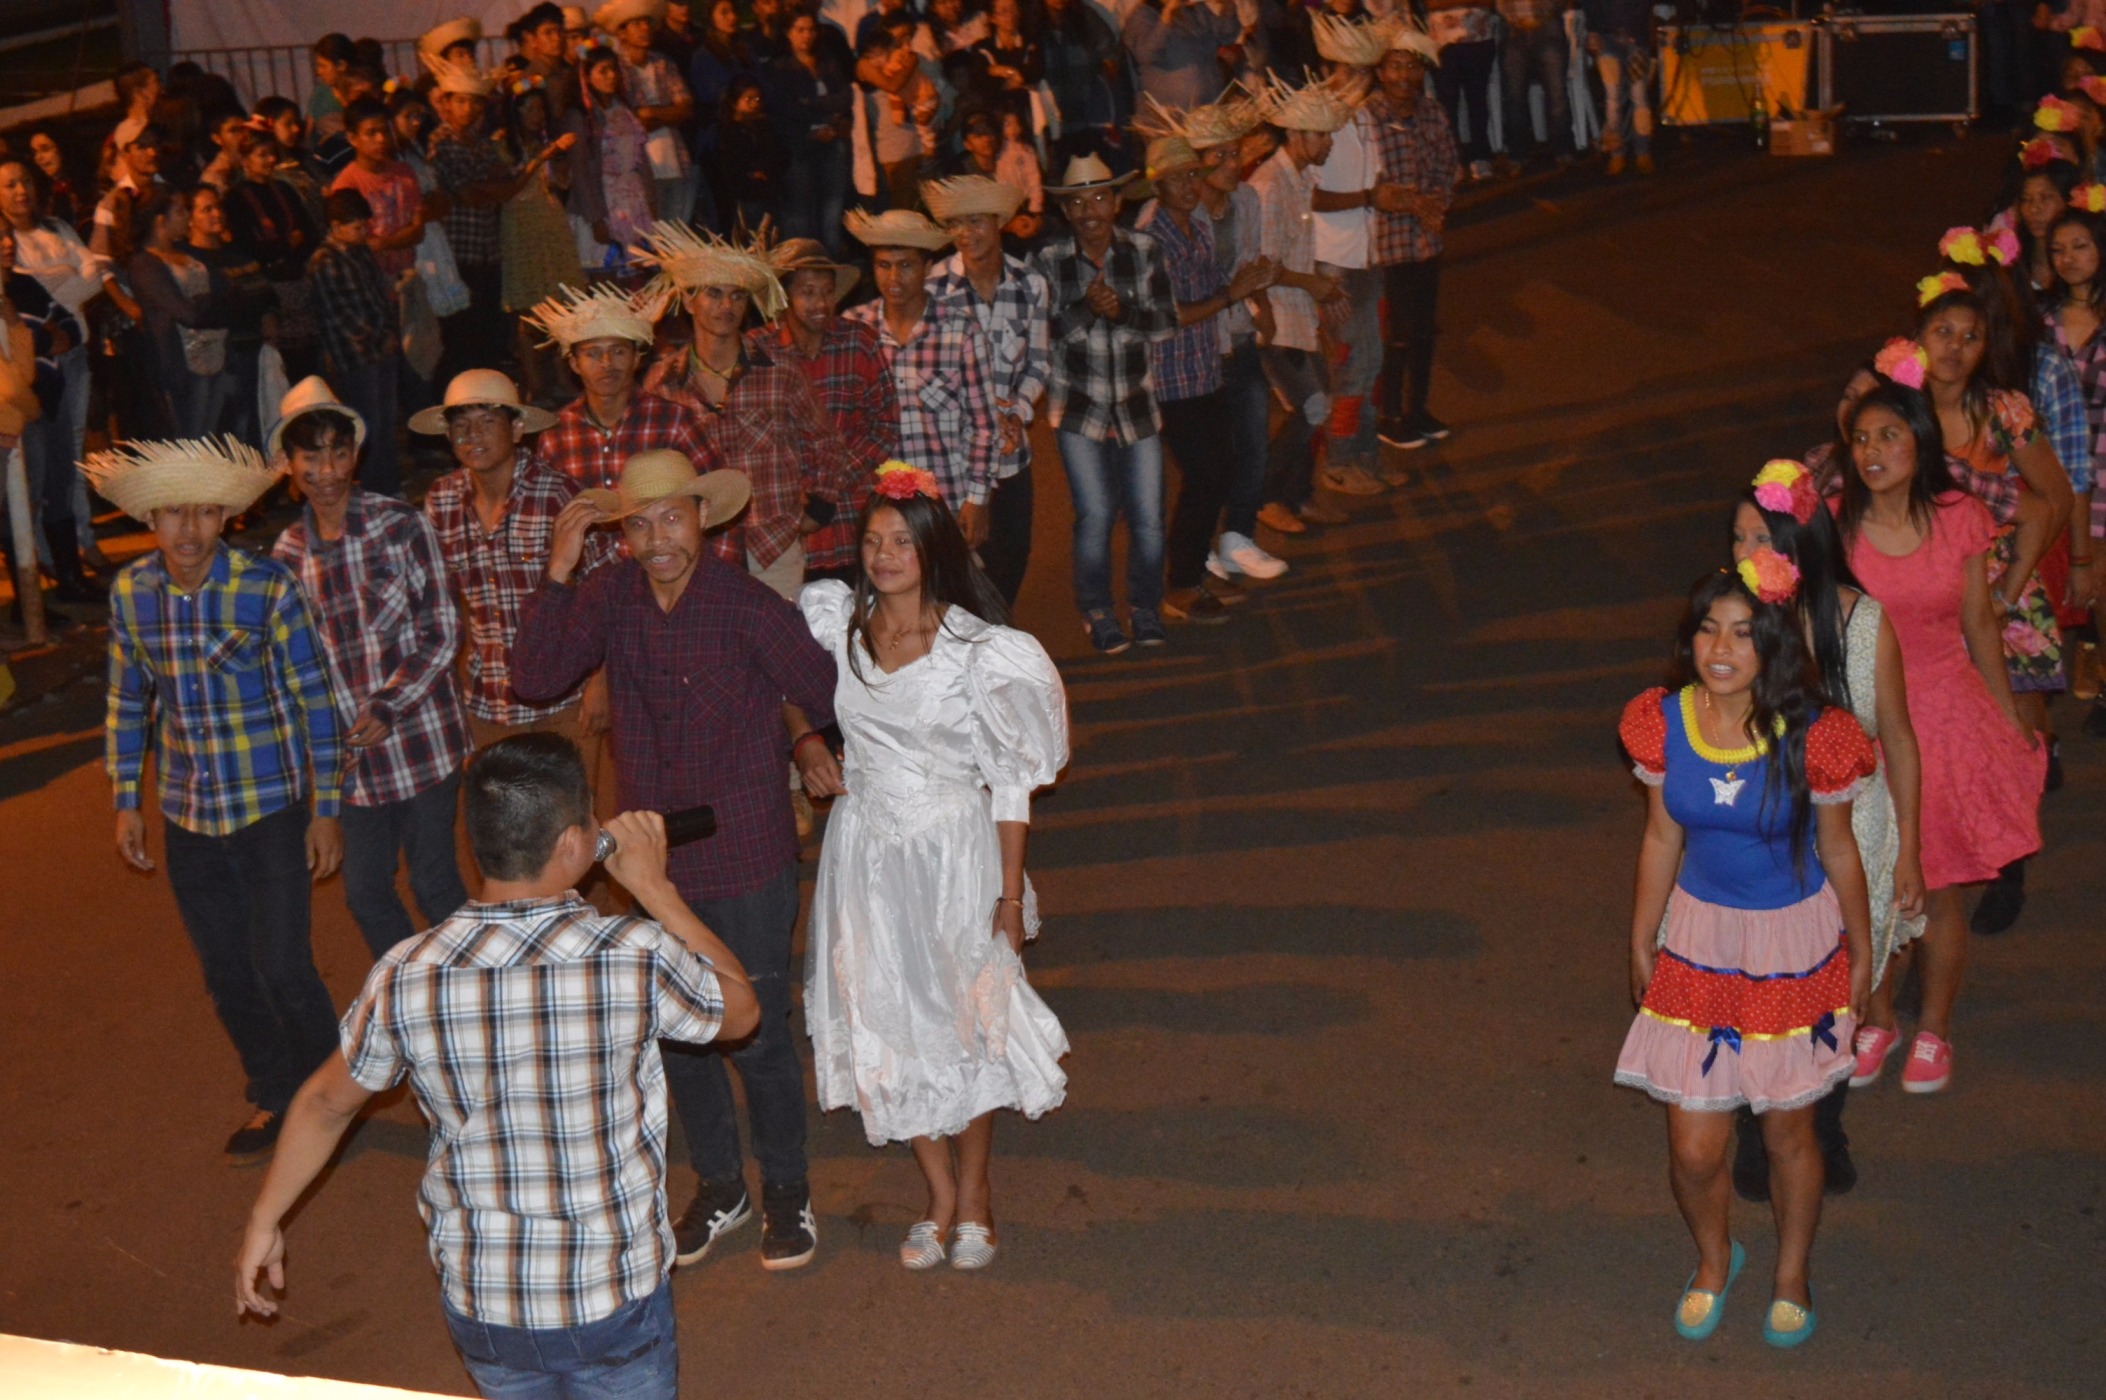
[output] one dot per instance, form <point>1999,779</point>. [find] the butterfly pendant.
<point>1724,791</point>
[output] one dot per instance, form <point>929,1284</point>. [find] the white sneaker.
<point>1240,554</point>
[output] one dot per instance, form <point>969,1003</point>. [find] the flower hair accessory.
<point>1903,361</point>
<point>899,481</point>
<point>2055,114</point>
<point>2002,243</point>
<point>1937,285</point>
<point>1962,245</point>
<point>2086,37</point>
<point>2088,198</point>
<point>1786,487</point>
<point>2038,152</point>
<point>1769,576</point>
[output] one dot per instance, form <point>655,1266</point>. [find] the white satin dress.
<point>920,1016</point>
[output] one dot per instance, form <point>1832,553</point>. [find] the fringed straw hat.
<point>456,77</point>
<point>616,13</point>
<point>966,195</point>
<point>895,228</point>
<point>1360,44</point>
<point>1232,118</point>
<point>571,317</point>
<point>439,39</point>
<point>1324,105</point>
<point>143,477</point>
<point>689,260</point>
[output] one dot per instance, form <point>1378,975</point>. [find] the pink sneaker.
<point>1930,1065</point>
<point>1872,1046</point>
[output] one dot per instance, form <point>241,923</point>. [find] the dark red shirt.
<point>697,695</point>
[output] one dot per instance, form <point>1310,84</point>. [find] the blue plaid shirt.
<point>1187,364</point>
<point>2058,402</point>
<point>233,683</point>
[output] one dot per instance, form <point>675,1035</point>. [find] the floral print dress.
<point>2032,640</point>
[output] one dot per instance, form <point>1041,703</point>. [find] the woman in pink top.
<point>1920,547</point>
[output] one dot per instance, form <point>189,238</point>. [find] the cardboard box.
<point>1808,134</point>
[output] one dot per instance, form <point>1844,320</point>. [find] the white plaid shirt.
<point>1014,340</point>
<point>529,1032</point>
<point>1098,383</point>
<point>946,398</point>
<point>1287,232</point>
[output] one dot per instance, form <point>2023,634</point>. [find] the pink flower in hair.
<point>1903,361</point>
<point>1770,576</point>
<point>1786,487</point>
<point>2038,152</point>
<point>2055,114</point>
<point>2001,242</point>
<point>1962,245</point>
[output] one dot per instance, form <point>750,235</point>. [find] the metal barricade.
<point>287,70</point>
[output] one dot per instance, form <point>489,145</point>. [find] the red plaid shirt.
<point>592,456</point>
<point>855,387</point>
<point>946,397</point>
<point>769,426</point>
<point>1419,151</point>
<point>390,631</point>
<point>697,695</point>
<point>496,571</point>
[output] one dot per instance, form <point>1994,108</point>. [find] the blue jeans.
<point>633,1353</point>
<point>1354,442</point>
<point>1465,77</point>
<point>1104,480</point>
<point>1626,68</point>
<point>815,193</point>
<point>1538,55</point>
<point>420,828</point>
<point>370,391</point>
<point>1300,380</point>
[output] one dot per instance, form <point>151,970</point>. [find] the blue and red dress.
<point>1750,997</point>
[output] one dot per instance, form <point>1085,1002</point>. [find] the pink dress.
<point>1981,780</point>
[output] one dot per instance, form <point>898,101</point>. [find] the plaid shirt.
<point>495,573</point>
<point>529,1031</point>
<point>396,196</point>
<point>769,426</point>
<point>1188,364</point>
<point>1999,493</point>
<point>2058,402</point>
<point>1015,345</point>
<point>1418,151</point>
<point>1097,376</point>
<point>854,385</point>
<point>697,695</point>
<point>354,306</point>
<point>946,401</point>
<point>592,456</point>
<point>390,632</point>
<point>1286,232</point>
<point>460,162</point>
<point>234,685</point>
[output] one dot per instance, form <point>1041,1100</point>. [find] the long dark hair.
<point>1932,478</point>
<point>1974,397</point>
<point>1785,696</point>
<point>949,577</point>
<point>1817,550</point>
<point>2059,292</point>
<point>2011,324</point>
<point>2061,175</point>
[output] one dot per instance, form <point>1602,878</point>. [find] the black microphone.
<point>690,824</point>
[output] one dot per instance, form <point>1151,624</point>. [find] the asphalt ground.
<point>1337,899</point>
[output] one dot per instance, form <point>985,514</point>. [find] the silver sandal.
<point>923,1247</point>
<point>972,1245</point>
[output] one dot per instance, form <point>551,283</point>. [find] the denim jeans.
<point>1196,430</point>
<point>1626,68</point>
<point>756,927</point>
<point>1007,549</point>
<point>1538,55</point>
<point>1298,377</point>
<point>370,390</point>
<point>633,1353</point>
<point>815,192</point>
<point>1247,411</point>
<point>1104,481</point>
<point>1352,427</point>
<point>420,828</point>
<point>244,901</point>
<point>1465,75</point>
<point>1411,296</point>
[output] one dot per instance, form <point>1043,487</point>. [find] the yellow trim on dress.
<point>1695,734</point>
<point>1695,1029</point>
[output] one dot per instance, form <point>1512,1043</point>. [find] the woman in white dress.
<point>915,995</point>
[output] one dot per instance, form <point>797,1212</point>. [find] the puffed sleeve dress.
<point>920,1016</point>
<point>1750,997</point>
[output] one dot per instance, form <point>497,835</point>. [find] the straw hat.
<point>895,228</point>
<point>571,317</point>
<point>795,255</point>
<point>651,477</point>
<point>1346,41</point>
<point>311,395</point>
<point>616,13</point>
<point>456,77</point>
<point>1411,37</point>
<point>1322,106</point>
<point>455,31</point>
<point>1212,124</point>
<point>143,477</point>
<point>480,388</point>
<point>575,18</point>
<point>688,260</point>
<point>1169,154</point>
<point>1086,173</point>
<point>964,196</point>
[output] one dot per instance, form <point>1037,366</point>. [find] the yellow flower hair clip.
<point>2089,198</point>
<point>1937,285</point>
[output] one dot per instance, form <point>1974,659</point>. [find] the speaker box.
<point>1898,67</point>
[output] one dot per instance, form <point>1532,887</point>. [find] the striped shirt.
<point>529,1032</point>
<point>231,684</point>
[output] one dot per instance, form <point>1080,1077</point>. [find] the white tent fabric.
<point>241,24</point>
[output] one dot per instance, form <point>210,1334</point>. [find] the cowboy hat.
<point>687,261</point>
<point>616,13</point>
<point>481,388</point>
<point>795,255</point>
<point>311,395</point>
<point>143,477</point>
<point>1087,173</point>
<point>571,317</point>
<point>661,474</point>
<point>461,78</point>
<point>439,39</point>
<point>964,196</point>
<point>895,228</point>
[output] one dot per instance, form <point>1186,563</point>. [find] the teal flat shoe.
<point>1707,1322</point>
<point>1788,1337</point>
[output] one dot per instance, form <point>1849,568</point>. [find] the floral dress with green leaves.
<point>2032,640</point>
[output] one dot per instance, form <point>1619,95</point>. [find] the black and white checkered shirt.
<point>1097,380</point>
<point>529,1032</point>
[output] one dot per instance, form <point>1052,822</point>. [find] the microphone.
<point>688,825</point>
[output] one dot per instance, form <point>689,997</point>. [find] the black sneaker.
<point>2095,722</point>
<point>1106,635</point>
<point>1402,433</point>
<point>256,1139</point>
<point>2054,767</point>
<point>790,1232</point>
<point>1434,429</point>
<point>714,1213</point>
<point>1838,1172</point>
<point>2002,902</point>
<point>1196,606</point>
<point>1148,628</point>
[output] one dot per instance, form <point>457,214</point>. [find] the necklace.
<point>707,368</point>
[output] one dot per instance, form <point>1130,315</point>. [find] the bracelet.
<point>805,738</point>
<point>1005,899</point>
